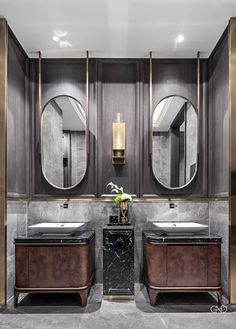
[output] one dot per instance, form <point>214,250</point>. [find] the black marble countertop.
<point>161,237</point>
<point>75,237</point>
<point>118,227</point>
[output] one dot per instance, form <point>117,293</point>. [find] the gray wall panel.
<point>118,93</point>
<point>18,124</point>
<point>219,121</point>
<point>63,77</point>
<point>174,77</point>
<point>120,85</point>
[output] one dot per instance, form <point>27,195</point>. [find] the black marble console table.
<point>118,262</point>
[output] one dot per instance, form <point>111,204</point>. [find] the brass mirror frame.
<point>195,172</point>
<point>151,113</point>
<point>41,143</point>
<point>86,112</point>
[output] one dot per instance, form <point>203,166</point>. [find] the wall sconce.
<point>118,149</point>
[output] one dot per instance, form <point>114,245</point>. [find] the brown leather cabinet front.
<point>55,268</point>
<point>182,267</point>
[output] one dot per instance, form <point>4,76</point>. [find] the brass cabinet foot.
<point>16,296</point>
<point>152,295</point>
<point>84,296</point>
<point>219,297</point>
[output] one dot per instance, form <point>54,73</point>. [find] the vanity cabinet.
<point>118,262</point>
<point>173,264</point>
<point>44,264</point>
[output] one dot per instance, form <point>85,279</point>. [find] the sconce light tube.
<point>118,147</point>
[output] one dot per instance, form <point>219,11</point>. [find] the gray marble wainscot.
<point>16,226</point>
<point>144,213</point>
<point>219,224</point>
<point>96,214</point>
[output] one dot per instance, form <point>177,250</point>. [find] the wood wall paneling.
<point>118,92</point>
<point>174,77</point>
<point>3,143</point>
<point>18,125</point>
<point>120,85</point>
<point>63,77</point>
<point>218,120</point>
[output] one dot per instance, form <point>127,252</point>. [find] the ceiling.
<point>118,28</point>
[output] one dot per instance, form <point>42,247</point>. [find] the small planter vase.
<point>124,213</point>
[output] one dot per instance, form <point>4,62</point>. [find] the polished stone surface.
<point>17,215</point>
<point>178,311</point>
<point>159,236</point>
<point>118,260</point>
<point>219,224</point>
<point>96,215</point>
<point>75,237</point>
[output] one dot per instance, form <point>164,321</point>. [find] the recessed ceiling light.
<point>179,39</point>
<point>60,34</point>
<point>65,44</point>
<point>55,38</point>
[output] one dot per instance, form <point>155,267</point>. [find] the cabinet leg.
<point>16,295</point>
<point>219,297</point>
<point>152,295</point>
<point>93,281</point>
<point>84,297</point>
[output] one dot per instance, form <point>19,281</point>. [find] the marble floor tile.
<point>178,311</point>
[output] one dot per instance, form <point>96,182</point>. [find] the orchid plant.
<point>120,195</point>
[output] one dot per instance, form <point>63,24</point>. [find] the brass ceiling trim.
<point>3,158</point>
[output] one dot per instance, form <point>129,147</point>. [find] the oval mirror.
<point>63,142</point>
<point>174,142</point>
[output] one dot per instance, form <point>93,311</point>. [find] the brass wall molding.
<point>232,106</point>
<point>198,82</point>
<point>110,200</point>
<point>150,104</point>
<point>39,96</point>
<point>3,157</point>
<point>87,101</point>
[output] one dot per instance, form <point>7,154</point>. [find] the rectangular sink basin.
<point>53,228</point>
<point>186,228</point>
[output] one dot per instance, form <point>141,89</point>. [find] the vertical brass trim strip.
<point>198,82</point>
<point>39,97</point>
<point>150,104</point>
<point>232,106</point>
<point>3,157</point>
<point>87,100</point>
<point>40,83</point>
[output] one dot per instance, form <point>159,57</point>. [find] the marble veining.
<point>118,261</point>
<point>172,312</point>
<point>215,214</point>
<point>158,236</point>
<point>76,237</point>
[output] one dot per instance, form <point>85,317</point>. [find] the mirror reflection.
<point>174,142</point>
<point>63,142</point>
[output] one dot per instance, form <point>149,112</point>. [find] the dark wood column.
<point>3,143</point>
